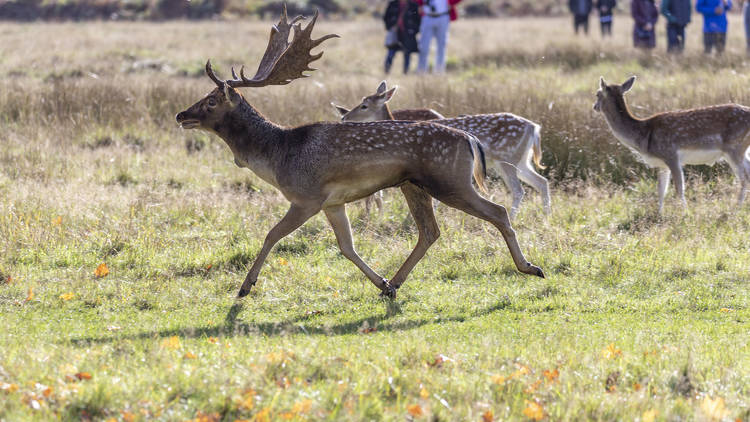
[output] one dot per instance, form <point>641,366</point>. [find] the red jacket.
<point>451,3</point>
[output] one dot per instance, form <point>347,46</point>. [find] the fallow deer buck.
<point>510,142</point>
<point>672,139</point>
<point>323,166</point>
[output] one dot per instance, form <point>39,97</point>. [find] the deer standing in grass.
<point>671,139</point>
<point>510,142</point>
<point>323,166</point>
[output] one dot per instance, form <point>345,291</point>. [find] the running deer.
<point>671,139</point>
<point>323,166</point>
<point>511,142</point>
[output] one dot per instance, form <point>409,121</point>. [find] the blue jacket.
<point>711,21</point>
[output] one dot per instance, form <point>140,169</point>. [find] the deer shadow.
<point>299,324</point>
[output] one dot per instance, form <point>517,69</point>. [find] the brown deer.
<point>671,139</point>
<point>323,166</point>
<point>511,142</point>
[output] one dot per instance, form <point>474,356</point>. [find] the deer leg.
<point>295,217</point>
<point>679,180</point>
<point>469,201</point>
<point>663,185</point>
<point>420,206</point>
<point>741,169</point>
<point>509,173</point>
<point>538,182</point>
<point>340,223</point>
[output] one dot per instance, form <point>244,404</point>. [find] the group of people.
<point>430,19</point>
<point>677,13</point>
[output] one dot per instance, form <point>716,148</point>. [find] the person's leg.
<point>407,61</point>
<point>681,37</point>
<point>720,42</point>
<point>672,38</point>
<point>576,23</point>
<point>441,35</point>
<point>707,42</point>
<point>425,38</point>
<point>746,18</point>
<point>586,24</point>
<point>389,59</point>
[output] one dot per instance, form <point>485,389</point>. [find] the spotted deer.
<point>672,139</point>
<point>510,142</point>
<point>323,166</point>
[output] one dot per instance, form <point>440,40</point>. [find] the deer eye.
<point>364,107</point>
<point>211,102</point>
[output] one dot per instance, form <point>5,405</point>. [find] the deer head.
<point>372,108</point>
<point>282,63</point>
<point>611,94</point>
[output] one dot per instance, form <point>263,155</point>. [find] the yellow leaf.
<point>611,352</point>
<point>47,392</point>
<point>287,415</point>
<point>726,310</point>
<point>714,408</point>
<point>533,411</point>
<point>30,294</point>
<point>213,340</point>
<point>263,416</point>
<point>488,416</point>
<point>101,270</point>
<point>415,410</point>
<point>531,388</point>
<point>171,343</point>
<point>637,386</point>
<point>9,388</point>
<point>649,415</point>
<point>247,401</point>
<point>283,261</point>
<point>498,379</point>
<point>67,296</point>
<point>551,375</point>
<point>190,355</point>
<point>127,416</point>
<point>57,221</point>
<point>424,393</point>
<point>303,406</point>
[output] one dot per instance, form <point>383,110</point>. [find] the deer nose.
<point>180,116</point>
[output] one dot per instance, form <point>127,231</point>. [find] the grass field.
<point>641,317</point>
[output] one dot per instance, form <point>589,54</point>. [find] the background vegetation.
<point>642,317</point>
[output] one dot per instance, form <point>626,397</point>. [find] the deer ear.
<point>387,95</point>
<point>382,87</point>
<point>602,84</point>
<point>232,96</point>
<point>340,110</point>
<point>628,84</point>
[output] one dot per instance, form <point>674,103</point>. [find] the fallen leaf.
<point>190,355</point>
<point>263,416</point>
<point>488,416</point>
<point>637,386</point>
<point>83,376</point>
<point>531,388</point>
<point>439,361</point>
<point>30,294</point>
<point>551,375</point>
<point>533,411</point>
<point>368,330</point>
<point>57,220</point>
<point>611,352</point>
<point>171,343</point>
<point>283,261</point>
<point>213,340</point>
<point>424,393</point>
<point>209,266</point>
<point>247,401</point>
<point>47,392</point>
<point>498,379</point>
<point>726,309</point>
<point>714,408</point>
<point>302,407</point>
<point>649,415</point>
<point>101,270</point>
<point>522,370</point>
<point>9,388</point>
<point>415,410</point>
<point>613,379</point>
<point>67,296</point>
<point>207,417</point>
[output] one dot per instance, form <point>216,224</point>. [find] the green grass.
<point>94,170</point>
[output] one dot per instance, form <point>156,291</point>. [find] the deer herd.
<point>324,166</point>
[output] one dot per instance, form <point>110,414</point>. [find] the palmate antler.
<point>282,62</point>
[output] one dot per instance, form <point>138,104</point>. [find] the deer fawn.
<point>669,140</point>
<point>323,166</point>
<point>511,142</point>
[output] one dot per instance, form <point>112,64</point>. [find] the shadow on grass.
<point>232,327</point>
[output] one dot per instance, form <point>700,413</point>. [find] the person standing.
<point>605,8</point>
<point>436,18</point>
<point>402,19</point>
<point>645,16</point>
<point>714,23</point>
<point>580,10</point>
<point>746,18</point>
<point>678,14</point>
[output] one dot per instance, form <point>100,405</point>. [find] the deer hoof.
<point>388,290</point>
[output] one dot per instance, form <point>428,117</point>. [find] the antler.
<point>282,62</point>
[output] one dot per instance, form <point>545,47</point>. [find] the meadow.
<point>124,239</point>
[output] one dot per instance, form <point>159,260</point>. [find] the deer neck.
<point>628,129</point>
<point>256,142</point>
<point>385,113</point>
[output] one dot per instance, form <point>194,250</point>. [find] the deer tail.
<point>537,146</point>
<point>480,164</point>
